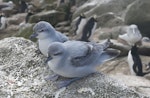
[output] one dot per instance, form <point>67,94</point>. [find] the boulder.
<point>112,33</point>
<point>139,13</point>
<point>110,12</point>
<point>9,31</point>
<point>120,66</point>
<point>25,31</point>
<point>100,7</point>
<point>41,3</point>
<point>119,69</point>
<point>16,19</point>
<point>52,16</point>
<point>109,20</point>
<point>8,8</point>
<point>80,3</point>
<point>141,86</point>
<point>23,71</point>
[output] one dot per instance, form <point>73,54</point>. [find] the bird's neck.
<point>57,62</point>
<point>134,50</point>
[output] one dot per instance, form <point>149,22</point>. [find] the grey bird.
<point>77,59</point>
<point>46,34</point>
<point>133,35</point>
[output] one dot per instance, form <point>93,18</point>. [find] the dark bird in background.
<point>135,62</point>
<point>23,6</point>
<point>81,21</point>
<point>28,16</point>
<point>89,28</point>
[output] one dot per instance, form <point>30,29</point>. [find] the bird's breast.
<point>131,63</point>
<point>80,26</point>
<point>43,46</point>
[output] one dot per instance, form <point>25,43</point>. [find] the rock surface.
<point>119,69</point>
<point>52,16</point>
<point>23,71</point>
<point>139,13</point>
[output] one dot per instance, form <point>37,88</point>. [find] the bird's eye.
<point>41,30</point>
<point>55,54</point>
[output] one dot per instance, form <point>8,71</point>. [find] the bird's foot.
<point>66,83</point>
<point>52,77</point>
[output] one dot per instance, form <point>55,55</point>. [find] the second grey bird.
<point>77,59</point>
<point>46,34</point>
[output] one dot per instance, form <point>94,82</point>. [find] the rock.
<point>109,12</point>
<point>112,33</point>
<point>25,31</point>
<point>140,86</point>
<point>64,23</point>
<point>109,20</point>
<point>8,8</point>
<point>80,3</point>
<point>85,7</point>
<point>139,13</point>
<point>52,16</point>
<point>63,29</point>
<point>120,66</point>
<point>23,71</point>
<point>16,19</point>
<point>100,7</point>
<point>9,31</point>
<point>119,69</point>
<point>41,3</point>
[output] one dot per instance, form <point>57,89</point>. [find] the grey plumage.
<point>46,34</point>
<point>78,59</point>
<point>133,35</point>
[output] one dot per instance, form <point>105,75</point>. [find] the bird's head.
<point>42,30</point>
<point>133,29</point>
<point>56,49</point>
<point>95,17</point>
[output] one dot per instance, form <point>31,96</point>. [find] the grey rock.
<point>110,12</point>
<point>112,33</point>
<point>139,13</point>
<point>16,19</point>
<point>109,20</point>
<point>52,16</point>
<point>100,7</point>
<point>25,31</point>
<point>22,73</point>
<point>119,69</point>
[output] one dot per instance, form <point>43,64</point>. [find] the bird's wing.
<point>61,37</point>
<point>95,54</point>
<point>83,53</point>
<point>76,48</point>
<point>109,54</point>
<point>124,37</point>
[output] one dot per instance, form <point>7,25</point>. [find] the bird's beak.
<point>34,35</point>
<point>48,59</point>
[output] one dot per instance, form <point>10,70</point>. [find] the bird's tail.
<point>105,44</point>
<point>109,54</point>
